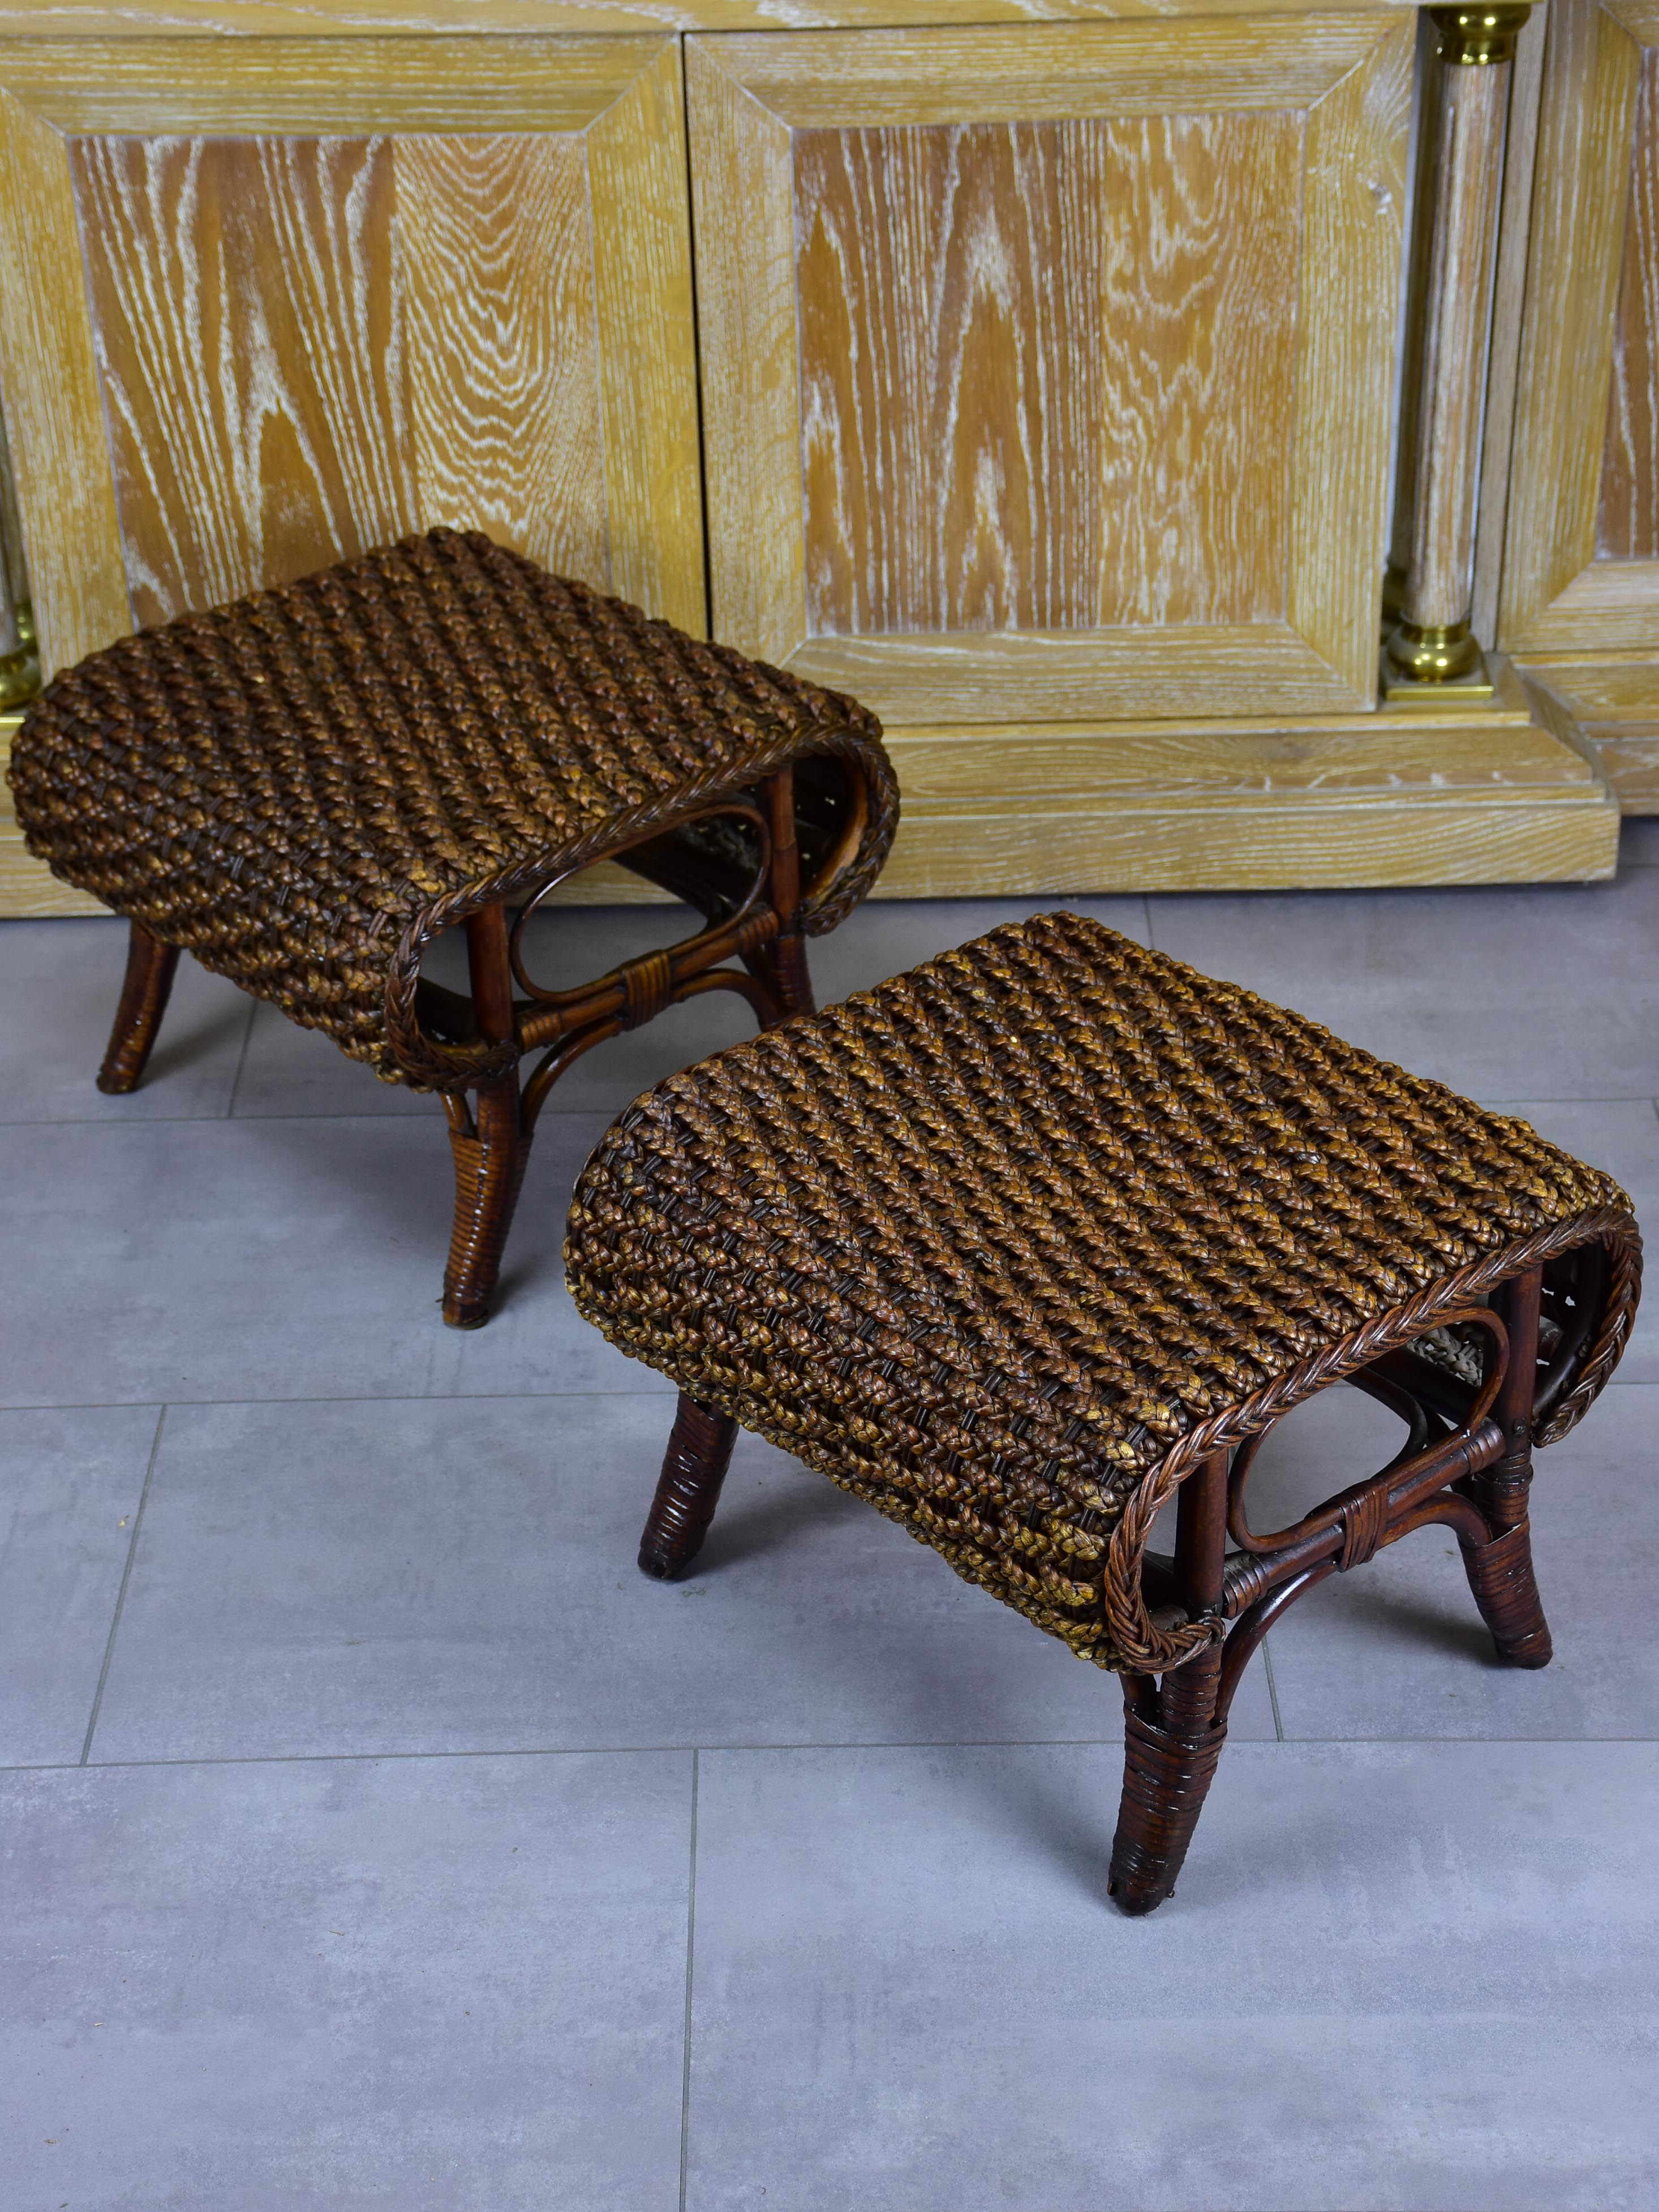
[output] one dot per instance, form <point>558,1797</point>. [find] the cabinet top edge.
<point>98,19</point>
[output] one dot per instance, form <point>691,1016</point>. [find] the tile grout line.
<point>121,1593</point>
<point>690,1953</point>
<point>242,1060</point>
<point>1273,1690</point>
<point>756,1750</point>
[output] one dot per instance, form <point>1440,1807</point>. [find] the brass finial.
<point>19,671</point>
<point>1475,38</point>
<point>1439,653</point>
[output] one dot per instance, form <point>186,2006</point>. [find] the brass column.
<point>1433,644</point>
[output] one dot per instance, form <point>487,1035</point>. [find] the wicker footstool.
<point>1024,1244</point>
<point>304,789</point>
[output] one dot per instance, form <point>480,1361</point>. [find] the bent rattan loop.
<point>1013,1244</point>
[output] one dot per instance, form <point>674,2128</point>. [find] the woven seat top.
<point>1015,1238</point>
<point>301,789</point>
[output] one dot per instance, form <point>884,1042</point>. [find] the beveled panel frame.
<point>622,98</point>
<point>1556,595</point>
<point>1350,76</point>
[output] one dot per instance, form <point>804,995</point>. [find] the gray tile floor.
<point>375,1836</point>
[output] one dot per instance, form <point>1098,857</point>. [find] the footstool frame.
<point>1467,1466</point>
<point>492,1125</point>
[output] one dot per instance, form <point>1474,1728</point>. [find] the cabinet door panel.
<point>304,341</point>
<point>1581,554</point>
<point>1043,382</point>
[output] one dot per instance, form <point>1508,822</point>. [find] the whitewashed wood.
<point>201,88</point>
<point>313,342</point>
<point>1022,353</point>
<point>1509,298</point>
<point>742,185</point>
<point>1627,518</point>
<point>54,411</point>
<point>251,339</point>
<point>1472,107</point>
<point>1586,126</point>
<point>504,375</point>
<point>645,333</point>
<point>894,79</point>
<point>1200,669</point>
<point>759,475</point>
<point>1354,242</point>
<point>366,18</point>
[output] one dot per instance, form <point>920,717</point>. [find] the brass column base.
<point>1439,663</point>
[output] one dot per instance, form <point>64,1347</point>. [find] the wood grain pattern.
<point>309,343</point>
<point>250,334</point>
<point>1042,369</point>
<point>203,87</point>
<point>996,223</point>
<point>368,18</point>
<point>1586,122</point>
<point>1627,520</point>
<point>54,410</point>
<point>741,160</point>
<point>504,375</point>
<point>1054,675</point>
<point>647,327</point>
<point>896,79</point>
<point>1471,109</point>
<point>1509,298</point>
<point>1351,267</point>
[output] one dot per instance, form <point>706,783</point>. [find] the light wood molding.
<point>316,88</point>
<point>980,613</point>
<point>870,80</point>
<point>1508,297</point>
<point>379,18</point>
<point>1057,675</point>
<point>54,410</point>
<point>242,354</point>
<point>1557,594</point>
<point>645,336</point>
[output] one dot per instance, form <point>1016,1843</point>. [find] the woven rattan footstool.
<point>307,788</point>
<point>1024,1244</point>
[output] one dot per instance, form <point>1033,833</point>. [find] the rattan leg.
<point>1500,1573</point>
<point>144,992</point>
<point>490,1164</point>
<point>1169,1762</point>
<point>688,1490</point>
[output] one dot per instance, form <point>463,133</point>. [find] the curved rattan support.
<point>688,1491</point>
<point>688,950</point>
<point>443,1067</point>
<point>1152,1647</point>
<point>145,990</point>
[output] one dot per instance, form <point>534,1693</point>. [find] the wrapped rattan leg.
<point>1169,1762</point>
<point>144,992</point>
<point>490,1164</point>
<point>1500,1575</point>
<point>688,1491</point>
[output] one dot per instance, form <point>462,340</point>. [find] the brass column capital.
<point>1476,38</point>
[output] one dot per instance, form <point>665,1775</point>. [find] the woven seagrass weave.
<point>1009,1244</point>
<point>304,787</point>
